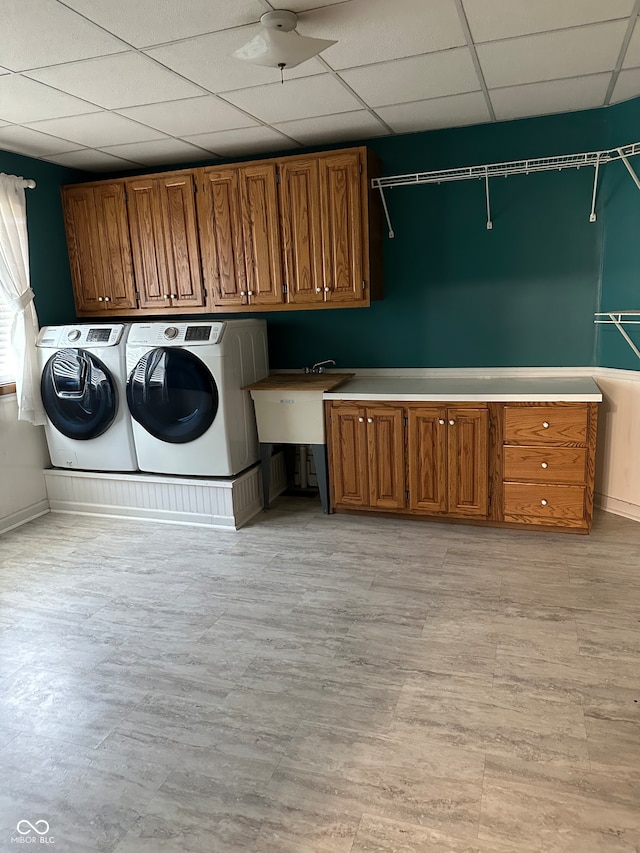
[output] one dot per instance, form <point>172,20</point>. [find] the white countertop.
<point>471,389</point>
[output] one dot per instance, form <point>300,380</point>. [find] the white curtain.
<point>16,291</point>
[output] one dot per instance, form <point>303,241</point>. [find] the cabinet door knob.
<point>545,424</point>
<point>107,299</point>
<point>360,420</point>
<point>100,298</point>
<point>318,290</point>
<point>166,296</point>
<point>369,420</point>
<point>249,292</point>
<point>441,421</point>
<point>327,289</point>
<point>243,293</point>
<point>451,423</point>
<point>174,295</point>
<point>543,502</point>
<point>544,465</point>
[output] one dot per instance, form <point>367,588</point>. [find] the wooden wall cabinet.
<point>95,219</point>
<point>277,234</point>
<point>164,241</point>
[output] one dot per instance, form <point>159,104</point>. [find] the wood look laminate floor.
<point>318,684</point>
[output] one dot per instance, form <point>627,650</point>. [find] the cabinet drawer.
<point>546,464</point>
<point>535,503</point>
<point>542,424</point>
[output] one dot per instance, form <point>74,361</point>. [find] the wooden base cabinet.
<point>513,464</point>
<point>409,458</point>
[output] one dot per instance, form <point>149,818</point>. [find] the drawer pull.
<point>360,420</point>
<point>441,421</point>
<point>545,424</point>
<point>543,502</point>
<point>544,465</point>
<point>451,423</point>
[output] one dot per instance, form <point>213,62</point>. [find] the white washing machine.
<point>82,383</point>
<point>184,391</point>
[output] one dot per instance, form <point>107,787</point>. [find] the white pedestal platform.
<point>205,502</point>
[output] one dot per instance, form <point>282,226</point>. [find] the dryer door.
<point>172,394</point>
<point>79,394</point>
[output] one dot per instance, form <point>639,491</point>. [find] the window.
<point>7,374</point>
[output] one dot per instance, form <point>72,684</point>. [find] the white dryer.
<point>184,391</point>
<point>82,383</point>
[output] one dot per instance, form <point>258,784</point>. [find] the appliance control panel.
<point>176,334</point>
<point>78,336</point>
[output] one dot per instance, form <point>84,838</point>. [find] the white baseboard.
<point>618,507</point>
<point>16,519</point>
<point>220,502</point>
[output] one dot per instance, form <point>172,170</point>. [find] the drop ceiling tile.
<point>627,86</point>
<point>148,22</point>
<point>122,80</point>
<point>190,116</point>
<point>338,128</point>
<point>35,33</point>
<point>31,142</point>
<point>23,100</point>
<point>550,56</point>
<point>375,30</point>
<point>159,152</point>
<point>555,96</point>
<point>97,130</point>
<point>93,161</point>
<point>309,96</point>
<point>632,56</point>
<point>453,111</point>
<point>500,19</point>
<point>248,140</point>
<point>417,78</point>
<point>208,61</point>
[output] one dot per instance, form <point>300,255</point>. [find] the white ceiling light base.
<point>279,45</point>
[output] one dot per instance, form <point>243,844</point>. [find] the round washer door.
<point>172,394</point>
<point>79,394</point>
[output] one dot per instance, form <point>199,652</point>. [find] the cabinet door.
<point>84,249</point>
<point>427,459</point>
<point>468,462</point>
<point>301,232</point>
<point>261,233</point>
<point>341,216</point>
<point>348,451</point>
<point>385,438</point>
<point>221,237</point>
<point>177,204</point>
<point>115,247</point>
<point>147,243</point>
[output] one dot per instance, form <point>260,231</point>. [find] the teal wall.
<point>621,250</point>
<point>455,294</point>
<point>49,263</point>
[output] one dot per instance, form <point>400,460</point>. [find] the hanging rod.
<point>513,167</point>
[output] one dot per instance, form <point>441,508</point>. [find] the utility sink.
<point>289,407</point>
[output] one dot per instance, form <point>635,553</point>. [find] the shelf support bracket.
<point>616,322</point>
<point>488,199</point>
<point>386,213</point>
<point>630,169</point>
<point>592,215</point>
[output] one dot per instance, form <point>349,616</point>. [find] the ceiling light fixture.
<point>279,45</point>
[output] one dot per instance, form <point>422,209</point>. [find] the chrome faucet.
<point>319,366</point>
